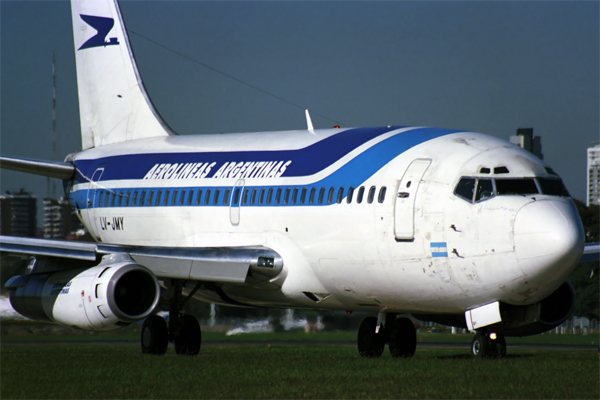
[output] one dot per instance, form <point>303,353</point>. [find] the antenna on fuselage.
<point>311,129</point>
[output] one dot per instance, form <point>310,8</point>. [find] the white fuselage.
<point>410,245</point>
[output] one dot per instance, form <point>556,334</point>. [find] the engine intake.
<point>112,294</point>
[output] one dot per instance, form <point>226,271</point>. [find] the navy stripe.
<point>305,161</point>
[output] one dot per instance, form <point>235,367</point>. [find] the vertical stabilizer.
<point>113,104</point>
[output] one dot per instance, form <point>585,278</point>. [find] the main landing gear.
<point>490,345</point>
<point>183,330</point>
<point>399,334</point>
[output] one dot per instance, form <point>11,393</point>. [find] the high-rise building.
<point>59,219</point>
<point>18,214</point>
<point>593,175</point>
<point>525,140</point>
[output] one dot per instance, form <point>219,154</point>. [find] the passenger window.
<point>371,195</point>
<point>182,197</point>
<point>321,195</point>
<point>158,196</point>
<point>245,196</point>
<point>286,196</point>
<point>485,189</point>
<point>269,196</point>
<point>236,197</point>
<point>113,197</point>
<point>303,196</point>
<point>261,196</point>
<point>294,195</point>
<point>226,196</point>
<point>381,197</point>
<point>553,187</point>
<point>311,198</point>
<point>142,198</point>
<point>207,197</point>
<point>278,196</point>
<point>515,186</point>
<point>465,189</point>
<point>174,198</point>
<point>150,197</point>
<point>199,197</point>
<point>135,197</point>
<point>253,197</point>
<point>101,198</point>
<point>127,198</point>
<point>330,195</point>
<point>190,197</point>
<point>166,199</point>
<point>349,195</point>
<point>340,196</point>
<point>360,194</point>
<point>216,198</point>
<point>120,201</point>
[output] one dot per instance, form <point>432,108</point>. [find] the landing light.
<point>493,336</point>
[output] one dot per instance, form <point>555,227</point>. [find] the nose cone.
<point>549,242</point>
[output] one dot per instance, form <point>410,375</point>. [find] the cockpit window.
<point>515,186</point>
<point>465,189</point>
<point>485,189</point>
<point>553,187</point>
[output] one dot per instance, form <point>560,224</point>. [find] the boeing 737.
<point>450,226</point>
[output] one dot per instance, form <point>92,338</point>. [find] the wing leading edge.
<point>211,264</point>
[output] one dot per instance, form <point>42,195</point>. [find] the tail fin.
<point>113,104</point>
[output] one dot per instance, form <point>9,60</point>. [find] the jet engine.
<point>106,297</point>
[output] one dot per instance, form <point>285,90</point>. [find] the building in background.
<point>59,220</point>
<point>18,214</point>
<point>593,175</point>
<point>525,140</point>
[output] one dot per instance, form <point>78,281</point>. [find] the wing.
<point>53,169</point>
<point>211,264</point>
<point>591,252</point>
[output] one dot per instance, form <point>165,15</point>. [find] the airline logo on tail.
<point>103,25</point>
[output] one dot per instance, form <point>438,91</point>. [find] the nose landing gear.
<point>486,345</point>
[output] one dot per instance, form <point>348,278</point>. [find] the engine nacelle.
<point>108,296</point>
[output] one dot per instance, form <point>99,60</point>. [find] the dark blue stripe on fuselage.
<point>305,161</point>
<point>352,174</point>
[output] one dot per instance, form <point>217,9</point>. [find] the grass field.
<point>82,370</point>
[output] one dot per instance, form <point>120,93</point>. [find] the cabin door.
<point>92,202</point>
<point>406,194</point>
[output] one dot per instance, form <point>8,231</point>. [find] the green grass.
<point>269,371</point>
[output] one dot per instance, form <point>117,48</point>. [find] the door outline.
<point>406,195</point>
<point>91,201</point>
<point>234,206</point>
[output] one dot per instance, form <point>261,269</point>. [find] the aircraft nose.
<point>549,240</point>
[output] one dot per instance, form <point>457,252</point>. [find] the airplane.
<point>443,225</point>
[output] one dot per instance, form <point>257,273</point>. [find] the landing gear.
<point>183,330</point>
<point>488,346</point>
<point>399,333</point>
<point>370,342</point>
<point>402,338</point>
<point>155,336</point>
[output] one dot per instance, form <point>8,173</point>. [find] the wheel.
<point>188,337</point>
<point>480,346</point>
<point>498,347</point>
<point>370,344</point>
<point>403,338</point>
<point>155,335</point>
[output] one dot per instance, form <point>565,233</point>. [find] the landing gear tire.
<point>370,344</point>
<point>155,336</point>
<point>480,346</point>
<point>189,336</point>
<point>498,347</point>
<point>403,338</point>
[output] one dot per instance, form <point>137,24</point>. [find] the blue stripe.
<point>352,174</point>
<point>445,254</point>
<point>438,244</point>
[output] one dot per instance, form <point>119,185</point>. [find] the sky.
<point>229,66</point>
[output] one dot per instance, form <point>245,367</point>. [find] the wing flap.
<point>211,264</point>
